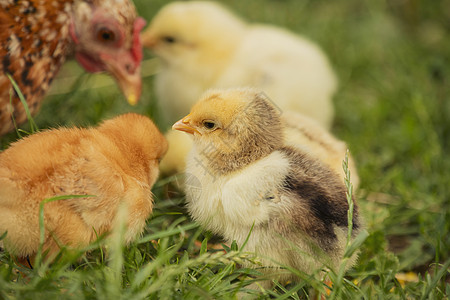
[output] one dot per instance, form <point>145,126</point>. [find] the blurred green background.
<point>392,108</point>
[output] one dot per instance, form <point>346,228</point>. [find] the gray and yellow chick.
<point>243,174</point>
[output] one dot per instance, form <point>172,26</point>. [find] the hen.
<point>116,162</point>
<point>38,36</point>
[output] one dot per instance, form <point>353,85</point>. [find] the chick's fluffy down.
<point>116,162</point>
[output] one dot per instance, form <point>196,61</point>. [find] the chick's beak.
<point>127,72</point>
<point>185,125</point>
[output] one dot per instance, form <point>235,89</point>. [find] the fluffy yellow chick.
<point>116,162</point>
<point>203,45</point>
<point>241,173</point>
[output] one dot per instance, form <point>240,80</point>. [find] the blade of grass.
<point>12,116</point>
<point>159,235</point>
<point>435,281</point>
<point>352,244</point>
<point>33,125</point>
<point>349,194</point>
<point>41,221</point>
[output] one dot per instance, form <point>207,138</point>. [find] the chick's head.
<point>139,139</point>
<point>194,32</point>
<point>234,127</point>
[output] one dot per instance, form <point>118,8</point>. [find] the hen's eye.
<point>209,124</point>
<point>168,39</point>
<point>105,35</point>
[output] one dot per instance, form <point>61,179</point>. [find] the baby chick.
<point>242,174</point>
<point>116,162</point>
<point>203,45</point>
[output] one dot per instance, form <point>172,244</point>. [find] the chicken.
<point>244,181</point>
<point>117,163</point>
<point>38,36</point>
<point>202,45</point>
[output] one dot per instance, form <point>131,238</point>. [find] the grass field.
<point>393,109</point>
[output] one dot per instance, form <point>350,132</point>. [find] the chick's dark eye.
<point>209,124</point>
<point>105,35</point>
<point>169,39</point>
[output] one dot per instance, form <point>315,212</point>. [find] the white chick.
<point>241,174</point>
<point>116,162</point>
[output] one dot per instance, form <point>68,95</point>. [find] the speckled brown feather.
<point>32,52</point>
<point>35,42</point>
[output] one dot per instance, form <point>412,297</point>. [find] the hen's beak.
<point>185,125</point>
<point>148,40</point>
<point>131,86</point>
<point>127,73</point>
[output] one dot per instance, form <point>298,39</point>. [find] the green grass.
<point>393,109</point>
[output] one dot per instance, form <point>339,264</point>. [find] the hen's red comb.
<point>136,48</point>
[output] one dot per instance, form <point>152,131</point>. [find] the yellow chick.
<point>202,45</point>
<point>116,162</point>
<point>242,174</point>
